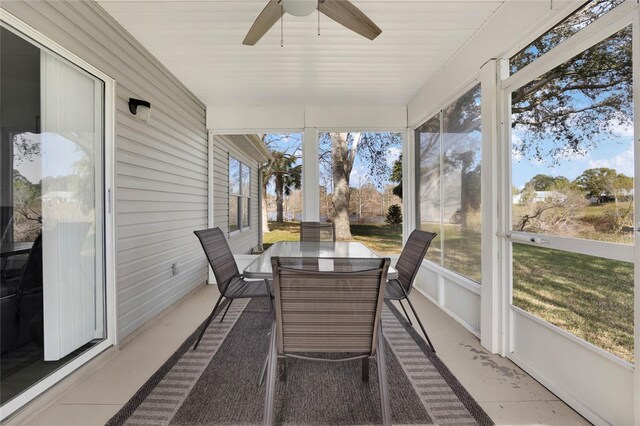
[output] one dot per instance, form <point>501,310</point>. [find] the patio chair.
<point>317,231</point>
<point>329,305</point>
<point>231,284</point>
<point>408,265</point>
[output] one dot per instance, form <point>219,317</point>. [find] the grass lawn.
<point>380,238</point>
<point>589,297</point>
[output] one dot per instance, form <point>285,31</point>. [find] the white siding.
<point>161,166</point>
<point>240,242</point>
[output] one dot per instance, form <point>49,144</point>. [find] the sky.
<point>63,154</point>
<point>615,153</point>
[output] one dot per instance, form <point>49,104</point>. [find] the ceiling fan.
<point>341,11</point>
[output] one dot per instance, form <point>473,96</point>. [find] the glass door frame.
<point>621,17</point>
<point>16,25</point>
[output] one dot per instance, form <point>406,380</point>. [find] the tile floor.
<point>508,394</point>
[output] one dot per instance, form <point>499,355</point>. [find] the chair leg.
<point>226,310</point>
<point>406,315</point>
<point>213,312</point>
<point>265,364</point>
<point>418,319</point>
<point>365,369</point>
<point>385,406</point>
<point>266,283</point>
<point>272,372</point>
<point>282,369</point>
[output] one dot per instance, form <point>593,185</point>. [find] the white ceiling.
<point>201,43</point>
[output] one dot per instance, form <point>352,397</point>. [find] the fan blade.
<point>349,16</point>
<point>267,18</point>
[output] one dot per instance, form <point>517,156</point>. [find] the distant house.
<point>59,197</point>
<point>623,195</point>
<point>541,197</point>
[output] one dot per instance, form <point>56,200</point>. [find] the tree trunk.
<point>342,163</point>
<point>279,198</point>
<point>465,190</point>
<point>265,212</point>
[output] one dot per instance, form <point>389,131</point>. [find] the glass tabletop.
<point>261,267</point>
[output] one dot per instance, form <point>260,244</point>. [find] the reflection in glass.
<point>245,212</point>
<point>233,213</point>
<point>461,155</point>
<point>427,139</point>
<point>590,297</point>
<point>245,180</point>
<point>572,144</point>
<point>234,176</point>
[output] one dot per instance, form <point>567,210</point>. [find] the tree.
<point>580,103</point>
<point>286,175</point>
<point>542,182</point>
<point>338,157</point>
<point>396,176</point>
<point>27,208</point>
<point>602,182</point>
<point>394,215</point>
<point>608,183</point>
<point>285,145</point>
<point>555,214</point>
<point>365,200</point>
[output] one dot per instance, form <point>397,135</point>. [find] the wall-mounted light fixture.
<point>141,109</point>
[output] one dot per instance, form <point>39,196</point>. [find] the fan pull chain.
<point>281,25</point>
<point>319,17</point>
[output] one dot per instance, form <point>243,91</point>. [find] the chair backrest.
<point>328,304</point>
<point>219,255</point>
<point>317,231</point>
<point>32,271</point>
<point>411,257</point>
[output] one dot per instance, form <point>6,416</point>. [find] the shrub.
<point>394,215</point>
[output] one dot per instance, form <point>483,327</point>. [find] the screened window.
<point>449,154</point>
<point>239,195</point>
<point>582,17</point>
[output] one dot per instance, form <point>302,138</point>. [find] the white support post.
<point>310,175</point>
<point>491,305</point>
<point>636,101</point>
<point>409,192</point>
<point>210,213</point>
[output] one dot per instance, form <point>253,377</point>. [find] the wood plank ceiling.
<point>201,43</point>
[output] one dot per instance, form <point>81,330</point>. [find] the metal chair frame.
<point>311,231</point>
<point>226,278</point>
<point>275,364</point>
<point>409,278</point>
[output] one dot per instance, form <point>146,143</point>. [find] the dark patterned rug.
<point>217,384</point>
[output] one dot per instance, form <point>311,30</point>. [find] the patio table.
<point>14,249</point>
<point>261,267</point>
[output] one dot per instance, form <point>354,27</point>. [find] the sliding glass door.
<point>52,213</point>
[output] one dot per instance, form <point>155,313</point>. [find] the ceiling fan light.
<point>299,7</point>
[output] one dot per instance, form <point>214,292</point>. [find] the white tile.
<point>508,394</point>
<point>486,376</point>
<point>74,415</point>
<point>533,413</point>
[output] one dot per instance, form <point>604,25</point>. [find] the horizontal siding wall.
<point>161,166</point>
<point>223,146</point>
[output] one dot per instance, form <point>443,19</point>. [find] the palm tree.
<point>286,175</point>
